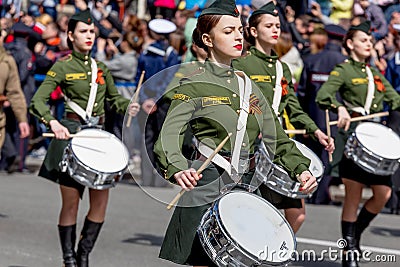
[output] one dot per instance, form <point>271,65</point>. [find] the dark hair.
<point>71,28</point>
<point>349,36</point>
<point>253,22</point>
<point>134,40</point>
<point>205,24</point>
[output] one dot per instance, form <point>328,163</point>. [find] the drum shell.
<point>276,178</point>
<point>86,175</point>
<point>367,159</point>
<point>222,248</point>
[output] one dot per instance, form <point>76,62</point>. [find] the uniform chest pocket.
<point>215,101</point>
<point>359,81</point>
<point>75,76</point>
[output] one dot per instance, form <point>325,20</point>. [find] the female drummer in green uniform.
<point>261,64</point>
<point>74,76</point>
<point>351,80</point>
<point>213,101</point>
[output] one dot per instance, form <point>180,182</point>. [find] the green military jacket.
<point>208,101</point>
<point>74,75</point>
<point>351,80</point>
<point>261,69</point>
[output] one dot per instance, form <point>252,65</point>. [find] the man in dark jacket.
<point>315,72</point>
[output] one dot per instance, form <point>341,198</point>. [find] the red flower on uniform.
<point>284,84</point>
<point>100,79</point>
<point>379,84</point>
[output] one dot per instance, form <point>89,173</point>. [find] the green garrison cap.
<point>83,16</point>
<point>364,27</point>
<point>268,8</point>
<point>222,7</point>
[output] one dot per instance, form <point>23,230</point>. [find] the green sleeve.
<point>278,143</point>
<point>169,143</point>
<point>38,106</point>
<point>326,96</point>
<point>298,117</point>
<point>118,102</point>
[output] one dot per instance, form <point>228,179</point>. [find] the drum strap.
<point>86,115</point>
<point>245,92</point>
<point>278,88</point>
<point>370,95</point>
<point>236,166</point>
<point>371,90</point>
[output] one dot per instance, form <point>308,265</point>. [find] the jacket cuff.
<point>169,173</point>
<point>300,169</point>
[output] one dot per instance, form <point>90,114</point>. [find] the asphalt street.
<point>136,221</point>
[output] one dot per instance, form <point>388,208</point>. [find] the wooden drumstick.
<point>135,97</point>
<point>328,132</point>
<point>75,135</point>
<point>202,167</point>
<point>296,131</point>
<point>366,117</point>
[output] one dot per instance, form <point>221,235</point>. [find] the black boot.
<point>67,239</point>
<point>363,220</point>
<point>350,256</point>
<point>89,234</point>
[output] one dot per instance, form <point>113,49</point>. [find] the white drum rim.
<point>111,136</point>
<point>315,160</point>
<point>358,135</point>
<point>258,198</point>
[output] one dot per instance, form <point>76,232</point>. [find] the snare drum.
<point>242,229</point>
<point>316,165</point>
<point>95,158</point>
<point>375,148</point>
<point>275,177</point>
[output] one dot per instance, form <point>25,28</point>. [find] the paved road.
<point>135,225</point>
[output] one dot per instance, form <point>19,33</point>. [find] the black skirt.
<point>50,168</point>
<point>350,170</point>
<point>181,243</point>
<point>279,201</point>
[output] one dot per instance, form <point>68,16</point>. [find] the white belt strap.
<point>245,91</point>
<point>85,115</point>
<point>371,90</point>
<point>278,88</point>
<point>218,159</point>
<point>370,95</point>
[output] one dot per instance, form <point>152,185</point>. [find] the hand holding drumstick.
<point>308,182</point>
<point>134,106</point>
<point>328,131</point>
<point>187,179</point>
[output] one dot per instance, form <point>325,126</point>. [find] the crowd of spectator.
<point>34,32</point>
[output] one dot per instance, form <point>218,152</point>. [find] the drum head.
<point>256,226</point>
<point>316,166</point>
<point>106,153</point>
<point>379,139</point>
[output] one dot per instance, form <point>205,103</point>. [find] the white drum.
<point>241,229</point>
<point>275,177</point>
<point>95,158</point>
<point>375,148</point>
<point>316,165</point>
